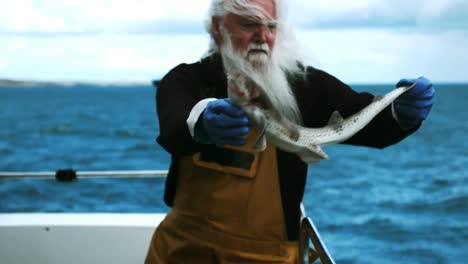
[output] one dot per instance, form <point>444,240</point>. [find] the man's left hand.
<point>412,107</point>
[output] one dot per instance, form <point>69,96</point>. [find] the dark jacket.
<point>318,95</point>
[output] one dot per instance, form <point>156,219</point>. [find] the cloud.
<point>97,17</point>
<point>98,58</point>
<point>418,14</point>
<point>384,56</point>
<point>81,17</point>
<point>143,39</point>
<point>20,16</point>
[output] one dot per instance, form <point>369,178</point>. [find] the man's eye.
<point>272,26</point>
<point>250,25</point>
<point>253,26</point>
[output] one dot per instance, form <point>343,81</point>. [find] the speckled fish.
<point>290,137</point>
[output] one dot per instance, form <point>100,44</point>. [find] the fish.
<point>307,143</point>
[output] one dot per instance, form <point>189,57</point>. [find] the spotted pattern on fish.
<point>290,137</point>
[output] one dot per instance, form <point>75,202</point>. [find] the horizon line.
<point>155,81</point>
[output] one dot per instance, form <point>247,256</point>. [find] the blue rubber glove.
<point>222,123</point>
<point>414,106</point>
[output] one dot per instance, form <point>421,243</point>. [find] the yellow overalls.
<point>225,215</point>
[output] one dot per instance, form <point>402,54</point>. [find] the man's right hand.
<point>223,123</point>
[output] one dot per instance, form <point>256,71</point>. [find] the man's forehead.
<point>262,11</point>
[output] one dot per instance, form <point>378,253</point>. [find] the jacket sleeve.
<point>176,95</point>
<point>334,95</point>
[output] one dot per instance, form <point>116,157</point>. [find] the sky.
<point>359,41</point>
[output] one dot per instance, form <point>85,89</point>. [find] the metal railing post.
<point>308,232</point>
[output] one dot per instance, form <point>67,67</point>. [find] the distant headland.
<point>11,82</point>
<point>29,83</point>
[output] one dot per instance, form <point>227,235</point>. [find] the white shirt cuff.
<point>394,114</point>
<point>197,110</point>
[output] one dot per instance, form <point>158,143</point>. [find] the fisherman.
<point>230,204</point>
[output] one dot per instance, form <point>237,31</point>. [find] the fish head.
<point>240,90</point>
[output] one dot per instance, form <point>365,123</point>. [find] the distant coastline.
<point>4,82</point>
<point>11,82</point>
<point>29,83</point>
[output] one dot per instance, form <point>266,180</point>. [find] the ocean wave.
<point>372,219</point>
<point>128,134</point>
<point>60,130</point>
<point>430,204</point>
<point>452,203</point>
<point>6,151</point>
<point>138,147</point>
<point>370,223</point>
<point>421,254</point>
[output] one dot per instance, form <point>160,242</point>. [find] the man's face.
<point>253,36</point>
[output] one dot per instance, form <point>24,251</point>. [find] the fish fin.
<point>291,128</point>
<point>293,133</point>
<point>256,118</point>
<point>260,144</point>
<point>313,154</point>
<point>319,152</point>
<point>335,119</point>
<point>377,98</point>
<point>309,159</point>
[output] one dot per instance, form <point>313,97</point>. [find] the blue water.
<point>405,204</point>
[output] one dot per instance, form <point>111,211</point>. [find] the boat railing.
<point>309,233</point>
<point>67,175</point>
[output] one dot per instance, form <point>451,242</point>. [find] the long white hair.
<point>284,58</point>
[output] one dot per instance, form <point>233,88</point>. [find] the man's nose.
<point>261,34</point>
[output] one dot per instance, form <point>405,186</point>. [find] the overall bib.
<point>225,213</point>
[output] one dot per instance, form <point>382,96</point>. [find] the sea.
<point>407,203</point>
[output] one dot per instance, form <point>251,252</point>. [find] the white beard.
<point>269,75</point>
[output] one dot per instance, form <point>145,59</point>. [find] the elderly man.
<point>231,204</point>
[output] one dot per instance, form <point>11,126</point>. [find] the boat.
<point>118,238</point>
<point>53,238</point>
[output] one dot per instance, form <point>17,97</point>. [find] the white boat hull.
<point>76,238</point>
